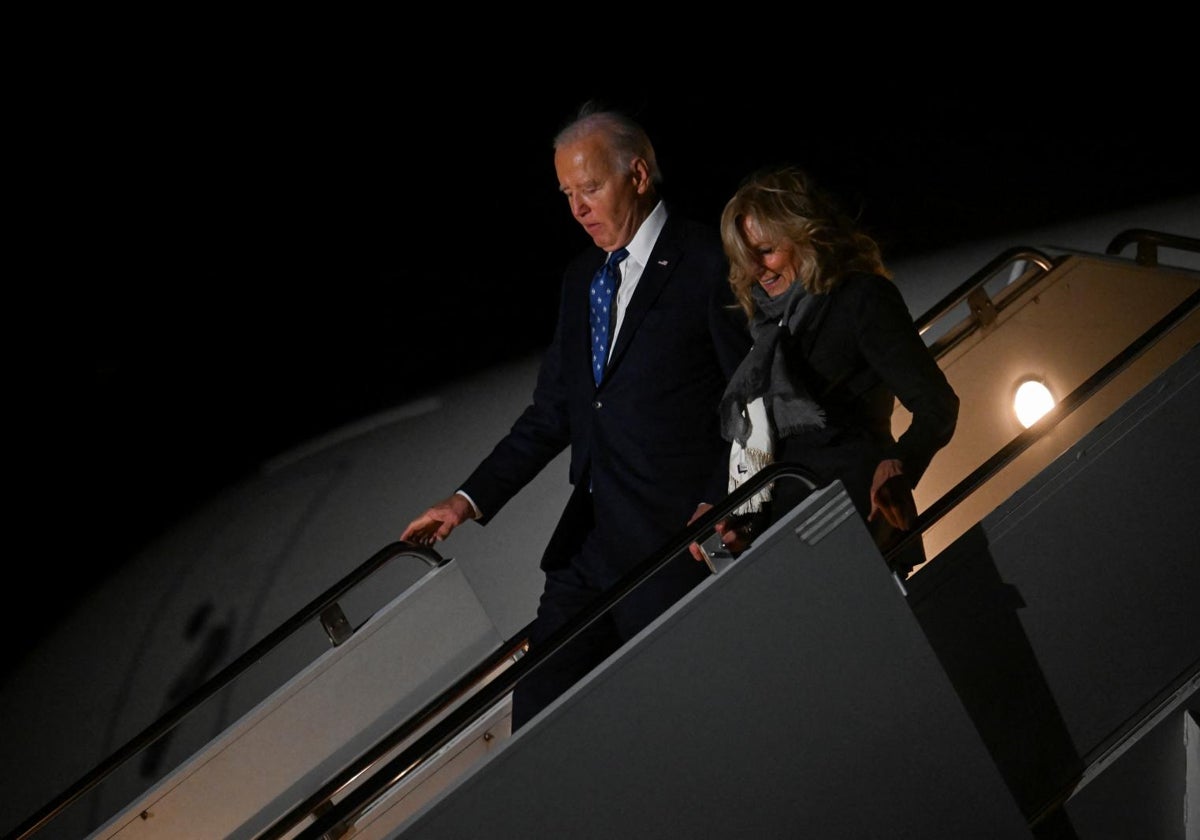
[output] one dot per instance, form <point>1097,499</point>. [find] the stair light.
<point>1032,400</point>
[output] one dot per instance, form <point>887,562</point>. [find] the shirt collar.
<point>643,241</point>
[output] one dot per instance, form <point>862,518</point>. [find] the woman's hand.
<point>735,532</point>
<point>891,496</point>
<point>694,548</point>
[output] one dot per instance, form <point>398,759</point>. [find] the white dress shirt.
<point>633,265</point>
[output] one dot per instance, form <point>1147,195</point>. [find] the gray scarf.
<point>764,372</point>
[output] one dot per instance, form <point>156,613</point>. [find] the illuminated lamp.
<point>1031,400</point>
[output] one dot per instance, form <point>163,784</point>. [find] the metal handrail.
<point>1148,243</point>
<point>976,280</point>
<point>358,801</point>
<point>322,606</point>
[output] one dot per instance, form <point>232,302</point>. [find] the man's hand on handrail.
<point>437,522</point>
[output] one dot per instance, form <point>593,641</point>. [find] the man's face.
<point>606,202</point>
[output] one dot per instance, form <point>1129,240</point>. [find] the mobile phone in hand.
<point>716,554</point>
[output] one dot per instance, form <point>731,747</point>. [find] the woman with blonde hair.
<point>834,347</point>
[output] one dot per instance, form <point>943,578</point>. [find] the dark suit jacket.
<point>860,353</point>
<point>647,440</point>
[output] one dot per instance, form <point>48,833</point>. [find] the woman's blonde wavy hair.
<point>787,205</point>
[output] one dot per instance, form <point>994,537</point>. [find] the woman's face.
<point>776,259</point>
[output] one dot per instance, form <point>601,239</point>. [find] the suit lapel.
<point>655,276</point>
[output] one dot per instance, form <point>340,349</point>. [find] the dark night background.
<point>237,263</point>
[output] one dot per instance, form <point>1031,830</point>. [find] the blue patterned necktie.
<point>604,285</point>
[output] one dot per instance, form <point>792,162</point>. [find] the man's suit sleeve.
<point>538,436</point>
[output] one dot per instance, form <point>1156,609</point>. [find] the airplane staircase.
<point>1036,677</point>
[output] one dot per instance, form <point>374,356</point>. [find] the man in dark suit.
<point>646,448</point>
